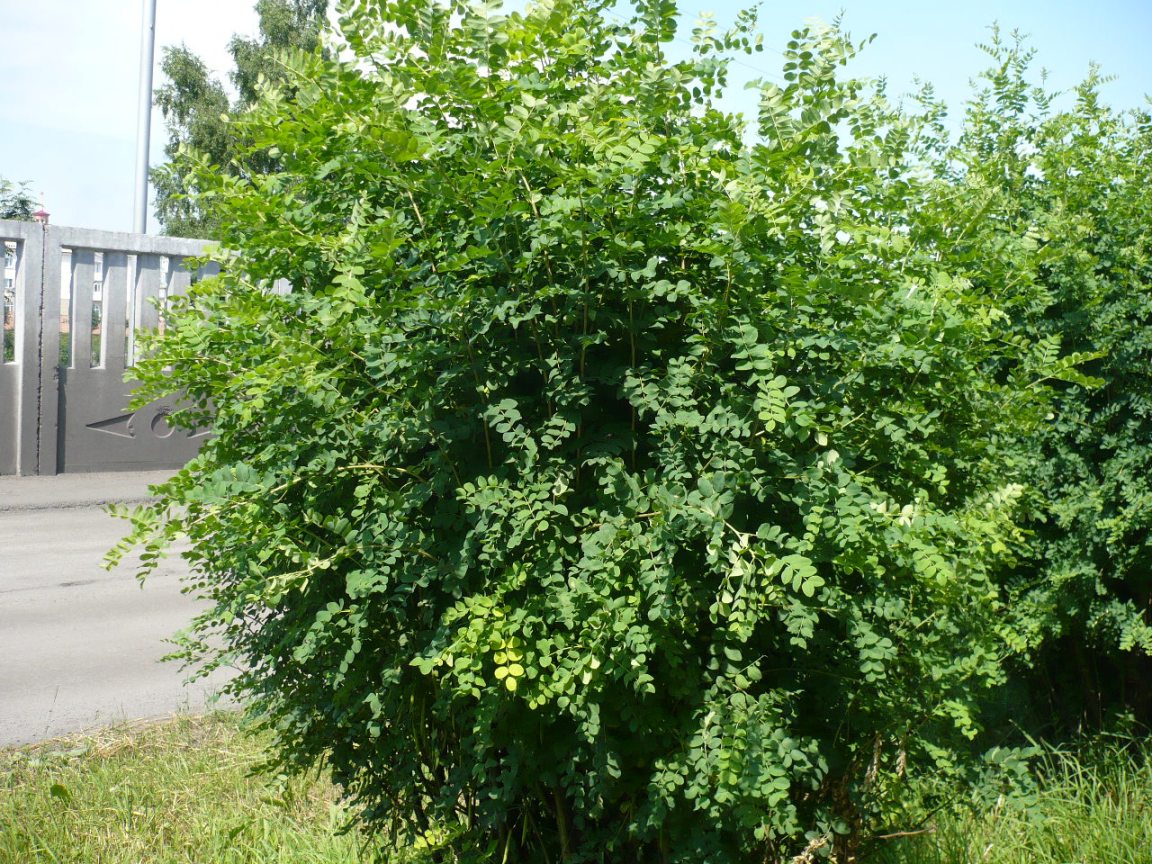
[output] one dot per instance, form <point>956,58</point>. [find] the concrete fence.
<point>74,302</point>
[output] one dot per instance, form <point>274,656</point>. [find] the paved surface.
<point>80,646</point>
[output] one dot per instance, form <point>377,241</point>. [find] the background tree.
<point>195,106</point>
<point>15,201</point>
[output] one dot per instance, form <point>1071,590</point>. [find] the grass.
<point>1093,808</point>
<point>176,792</point>
<point>182,791</point>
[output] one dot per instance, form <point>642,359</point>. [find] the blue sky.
<point>938,42</point>
<point>68,72</point>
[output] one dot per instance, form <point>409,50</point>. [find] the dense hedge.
<point>621,481</point>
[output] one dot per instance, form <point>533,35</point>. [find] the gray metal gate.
<point>73,303</point>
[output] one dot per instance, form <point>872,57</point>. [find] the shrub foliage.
<point>1074,187</point>
<point>621,480</point>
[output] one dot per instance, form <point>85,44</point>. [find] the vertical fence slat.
<point>10,370</point>
<point>83,274</point>
<point>149,284</point>
<point>29,291</point>
<point>8,302</point>
<point>115,310</point>
<point>49,371</point>
<point>210,269</point>
<point>144,299</point>
<point>19,379</point>
<point>9,378</point>
<point>179,281</point>
<point>179,278</point>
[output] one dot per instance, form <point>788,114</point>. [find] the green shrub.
<point>609,487</point>
<point>1068,192</point>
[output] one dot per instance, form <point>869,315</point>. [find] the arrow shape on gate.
<point>120,426</point>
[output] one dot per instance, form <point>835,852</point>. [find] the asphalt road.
<point>80,646</point>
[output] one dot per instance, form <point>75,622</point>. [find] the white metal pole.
<point>144,118</point>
